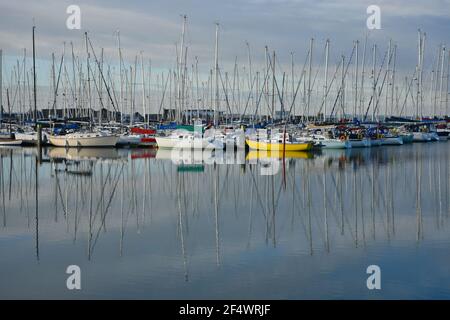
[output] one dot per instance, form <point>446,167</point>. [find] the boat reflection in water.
<point>145,223</point>
<point>92,154</point>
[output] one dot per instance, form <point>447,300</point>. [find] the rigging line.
<point>376,83</point>
<point>101,73</point>
<point>330,85</point>
<point>299,82</point>
<point>381,89</point>
<point>341,88</point>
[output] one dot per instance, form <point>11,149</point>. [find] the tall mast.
<point>54,84</point>
<point>273,87</point>
<point>393,79</point>
<point>74,79</point>
<point>1,87</point>
<point>250,78</point>
<point>343,87</point>
<point>361,101</point>
<point>388,73</point>
<point>216,67</point>
<point>34,82</point>
<point>181,70</point>
<point>309,74</point>
<point>197,88</point>
<point>356,79</point>
<point>120,78</point>
<point>374,81</point>
<point>441,80</point>
<point>266,83</point>
<point>100,89</point>
<point>88,79</point>
<point>144,107</point>
<point>446,92</point>
<point>327,55</point>
<point>292,80</point>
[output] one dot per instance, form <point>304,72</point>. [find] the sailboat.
<point>187,140</point>
<point>80,139</point>
<point>138,137</point>
<point>9,139</point>
<point>276,142</point>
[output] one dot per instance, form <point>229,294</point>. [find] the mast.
<point>441,79</point>
<point>250,78</point>
<point>356,79</point>
<point>446,93</point>
<point>1,87</point>
<point>216,67</point>
<point>361,101</point>
<point>393,79</point>
<point>327,55</point>
<point>292,81</point>
<point>144,107</point>
<point>120,78</point>
<point>100,89</point>
<point>374,81</point>
<point>181,70</point>
<point>197,88</point>
<point>74,80</point>
<point>343,86</point>
<point>34,82</point>
<point>309,74</point>
<point>54,84</point>
<point>388,74</point>
<point>88,79</point>
<point>273,87</point>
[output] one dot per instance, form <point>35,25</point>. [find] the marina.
<point>182,168</point>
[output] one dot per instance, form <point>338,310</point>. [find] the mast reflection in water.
<point>143,225</point>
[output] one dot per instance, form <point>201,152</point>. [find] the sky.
<point>283,25</point>
<point>153,28</point>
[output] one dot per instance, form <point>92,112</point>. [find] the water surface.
<point>150,224</point>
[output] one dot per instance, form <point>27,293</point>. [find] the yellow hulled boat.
<point>271,145</point>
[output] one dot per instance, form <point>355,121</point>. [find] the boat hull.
<point>129,140</point>
<point>77,142</point>
<point>363,143</point>
<point>421,137</point>
<point>407,138</point>
<point>199,143</point>
<point>335,144</point>
<point>392,141</point>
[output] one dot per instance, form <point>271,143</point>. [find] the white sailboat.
<point>7,139</point>
<point>91,139</point>
<point>327,143</point>
<point>187,140</point>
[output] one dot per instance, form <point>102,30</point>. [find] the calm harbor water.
<point>149,224</point>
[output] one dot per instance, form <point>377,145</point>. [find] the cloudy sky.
<point>284,25</point>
